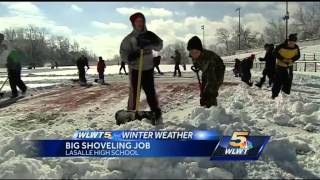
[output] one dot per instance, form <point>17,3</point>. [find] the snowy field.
<point>43,77</point>
<point>58,107</point>
<point>46,77</point>
<point>55,112</point>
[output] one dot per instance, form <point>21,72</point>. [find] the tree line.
<point>43,49</point>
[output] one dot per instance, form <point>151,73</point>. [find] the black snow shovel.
<point>194,69</point>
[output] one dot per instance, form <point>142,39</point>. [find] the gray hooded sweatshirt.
<point>129,45</point>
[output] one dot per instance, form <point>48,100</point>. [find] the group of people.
<point>156,63</point>
<point>278,66</point>
<point>278,69</point>
<point>83,62</point>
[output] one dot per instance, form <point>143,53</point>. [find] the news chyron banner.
<point>197,143</point>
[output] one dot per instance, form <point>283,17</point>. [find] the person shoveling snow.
<point>136,50</point>
<point>82,62</point>
<point>286,53</point>
<point>13,65</point>
<point>212,68</point>
<point>100,68</point>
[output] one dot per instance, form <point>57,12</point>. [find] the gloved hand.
<point>146,39</point>
<point>134,56</point>
<point>195,69</point>
<point>287,61</point>
<point>261,59</point>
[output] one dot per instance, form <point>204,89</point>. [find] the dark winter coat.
<point>82,62</point>
<point>237,65</point>
<point>246,64</point>
<point>270,59</point>
<point>177,58</point>
<point>212,67</point>
<point>156,60</point>
<point>101,66</point>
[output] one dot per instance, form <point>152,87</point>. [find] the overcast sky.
<point>101,26</point>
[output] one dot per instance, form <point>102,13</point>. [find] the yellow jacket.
<point>286,56</point>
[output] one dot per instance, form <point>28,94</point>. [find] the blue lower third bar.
<point>130,148</point>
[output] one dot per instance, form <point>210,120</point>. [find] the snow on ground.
<point>56,112</point>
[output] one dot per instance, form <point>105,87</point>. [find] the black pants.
<point>177,68</point>
<point>246,76</point>
<point>147,83</point>
<point>267,73</point>
<point>208,96</point>
<point>236,72</point>
<point>82,74</point>
<point>101,76</point>
<point>122,67</point>
<point>15,80</point>
<point>282,81</point>
<point>157,67</point>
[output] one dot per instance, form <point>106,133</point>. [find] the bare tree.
<point>275,32</point>
<point>307,21</point>
<point>224,36</point>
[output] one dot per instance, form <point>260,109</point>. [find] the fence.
<point>307,62</point>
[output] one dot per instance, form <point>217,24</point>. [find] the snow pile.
<point>16,163</point>
<point>284,153</point>
<point>306,115</point>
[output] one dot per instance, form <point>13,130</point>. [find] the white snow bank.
<point>284,153</point>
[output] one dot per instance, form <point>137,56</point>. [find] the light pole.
<point>238,9</point>
<point>202,27</point>
<point>286,18</point>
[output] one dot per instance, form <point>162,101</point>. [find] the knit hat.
<point>195,43</point>
<point>293,37</point>
<point>135,16</point>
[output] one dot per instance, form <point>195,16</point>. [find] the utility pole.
<point>286,18</point>
<point>202,27</point>
<point>238,9</point>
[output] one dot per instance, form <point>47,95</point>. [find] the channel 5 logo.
<point>240,140</point>
<point>108,135</point>
<point>240,146</point>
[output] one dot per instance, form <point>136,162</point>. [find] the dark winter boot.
<point>24,92</point>
<point>273,96</point>
<point>249,83</point>
<point>14,95</point>
<point>259,84</point>
<point>158,117</point>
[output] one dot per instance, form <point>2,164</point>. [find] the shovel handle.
<point>139,80</point>
<point>4,83</point>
